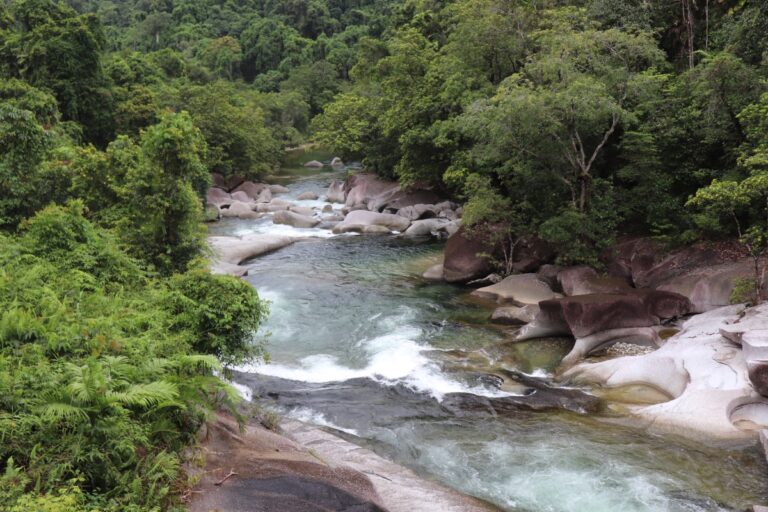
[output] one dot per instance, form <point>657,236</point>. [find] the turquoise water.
<point>360,343</point>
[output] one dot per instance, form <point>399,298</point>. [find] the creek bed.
<point>361,344</point>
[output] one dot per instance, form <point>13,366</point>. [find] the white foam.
<point>280,322</point>
<point>267,227</point>
<point>286,230</point>
<point>307,415</point>
<point>579,481</point>
<point>392,358</point>
<point>244,391</point>
<point>540,373</point>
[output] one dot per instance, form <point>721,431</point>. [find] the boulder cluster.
<point>372,205</point>
<point>707,359</point>
<point>369,206</point>
<point>236,197</point>
<point>361,204</point>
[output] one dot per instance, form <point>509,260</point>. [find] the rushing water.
<point>359,343</point>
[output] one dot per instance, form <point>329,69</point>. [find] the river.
<point>361,344</point>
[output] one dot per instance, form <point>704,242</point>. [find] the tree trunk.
<point>583,183</point>
<point>688,22</point>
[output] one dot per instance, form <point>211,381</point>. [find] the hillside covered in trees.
<point>574,121</point>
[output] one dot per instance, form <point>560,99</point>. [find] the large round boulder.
<point>367,218</point>
<point>336,193</point>
<point>434,273</point>
<point>686,261</point>
<point>427,227</point>
<point>239,195</point>
<point>251,189</point>
<point>584,315</point>
<point>709,287</point>
<point>294,219</point>
<point>397,198</point>
<point>307,196</point>
<point>272,207</point>
<point>265,196</point>
<point>466,258</point>
<point>360,188</point>
<point>419,211</point>
<point>218,197</point>
<point>583,280</point>
<point>278,189</point>
<point>240,210</point>
<point>231,251</point>
<point>302,210</point>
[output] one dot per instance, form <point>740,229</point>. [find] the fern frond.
<point>196,361</point>
<point>146,395</point>
<point>156,366</point>
<point>118,366</point>
<point>59,411</point>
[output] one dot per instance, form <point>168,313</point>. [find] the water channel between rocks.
<point>360,343</point>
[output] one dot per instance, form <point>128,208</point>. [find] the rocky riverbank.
<point>678,302</point>
<point>707,361</point>
<point>305,469</point>
<point>673,306</point>
<point>361,204</point>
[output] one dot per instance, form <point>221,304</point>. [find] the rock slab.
<point>518,289</point>
<point>703,373</point>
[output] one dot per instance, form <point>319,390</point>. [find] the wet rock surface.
<point>358,219</point>
<point>583,280</point>
<point>584,315</point>
<point>360,401</point>
<point>304,469</point>
<point>231,251</point>
<point>271,473</point>
<point>519,289</point>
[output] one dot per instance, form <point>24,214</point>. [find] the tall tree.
<point>57,49</point>
<point>163,205</point>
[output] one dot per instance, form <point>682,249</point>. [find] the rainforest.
<point>383,255</point>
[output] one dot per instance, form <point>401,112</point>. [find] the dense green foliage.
<point>575,121</point>
<point>587,119</point>
<point>251,74</point>
<point>106,373</point>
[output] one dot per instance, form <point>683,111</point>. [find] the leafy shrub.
<point>100,385</point>
<point>224,311</point>
<point>744,291</point>
<point>63,236</point>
